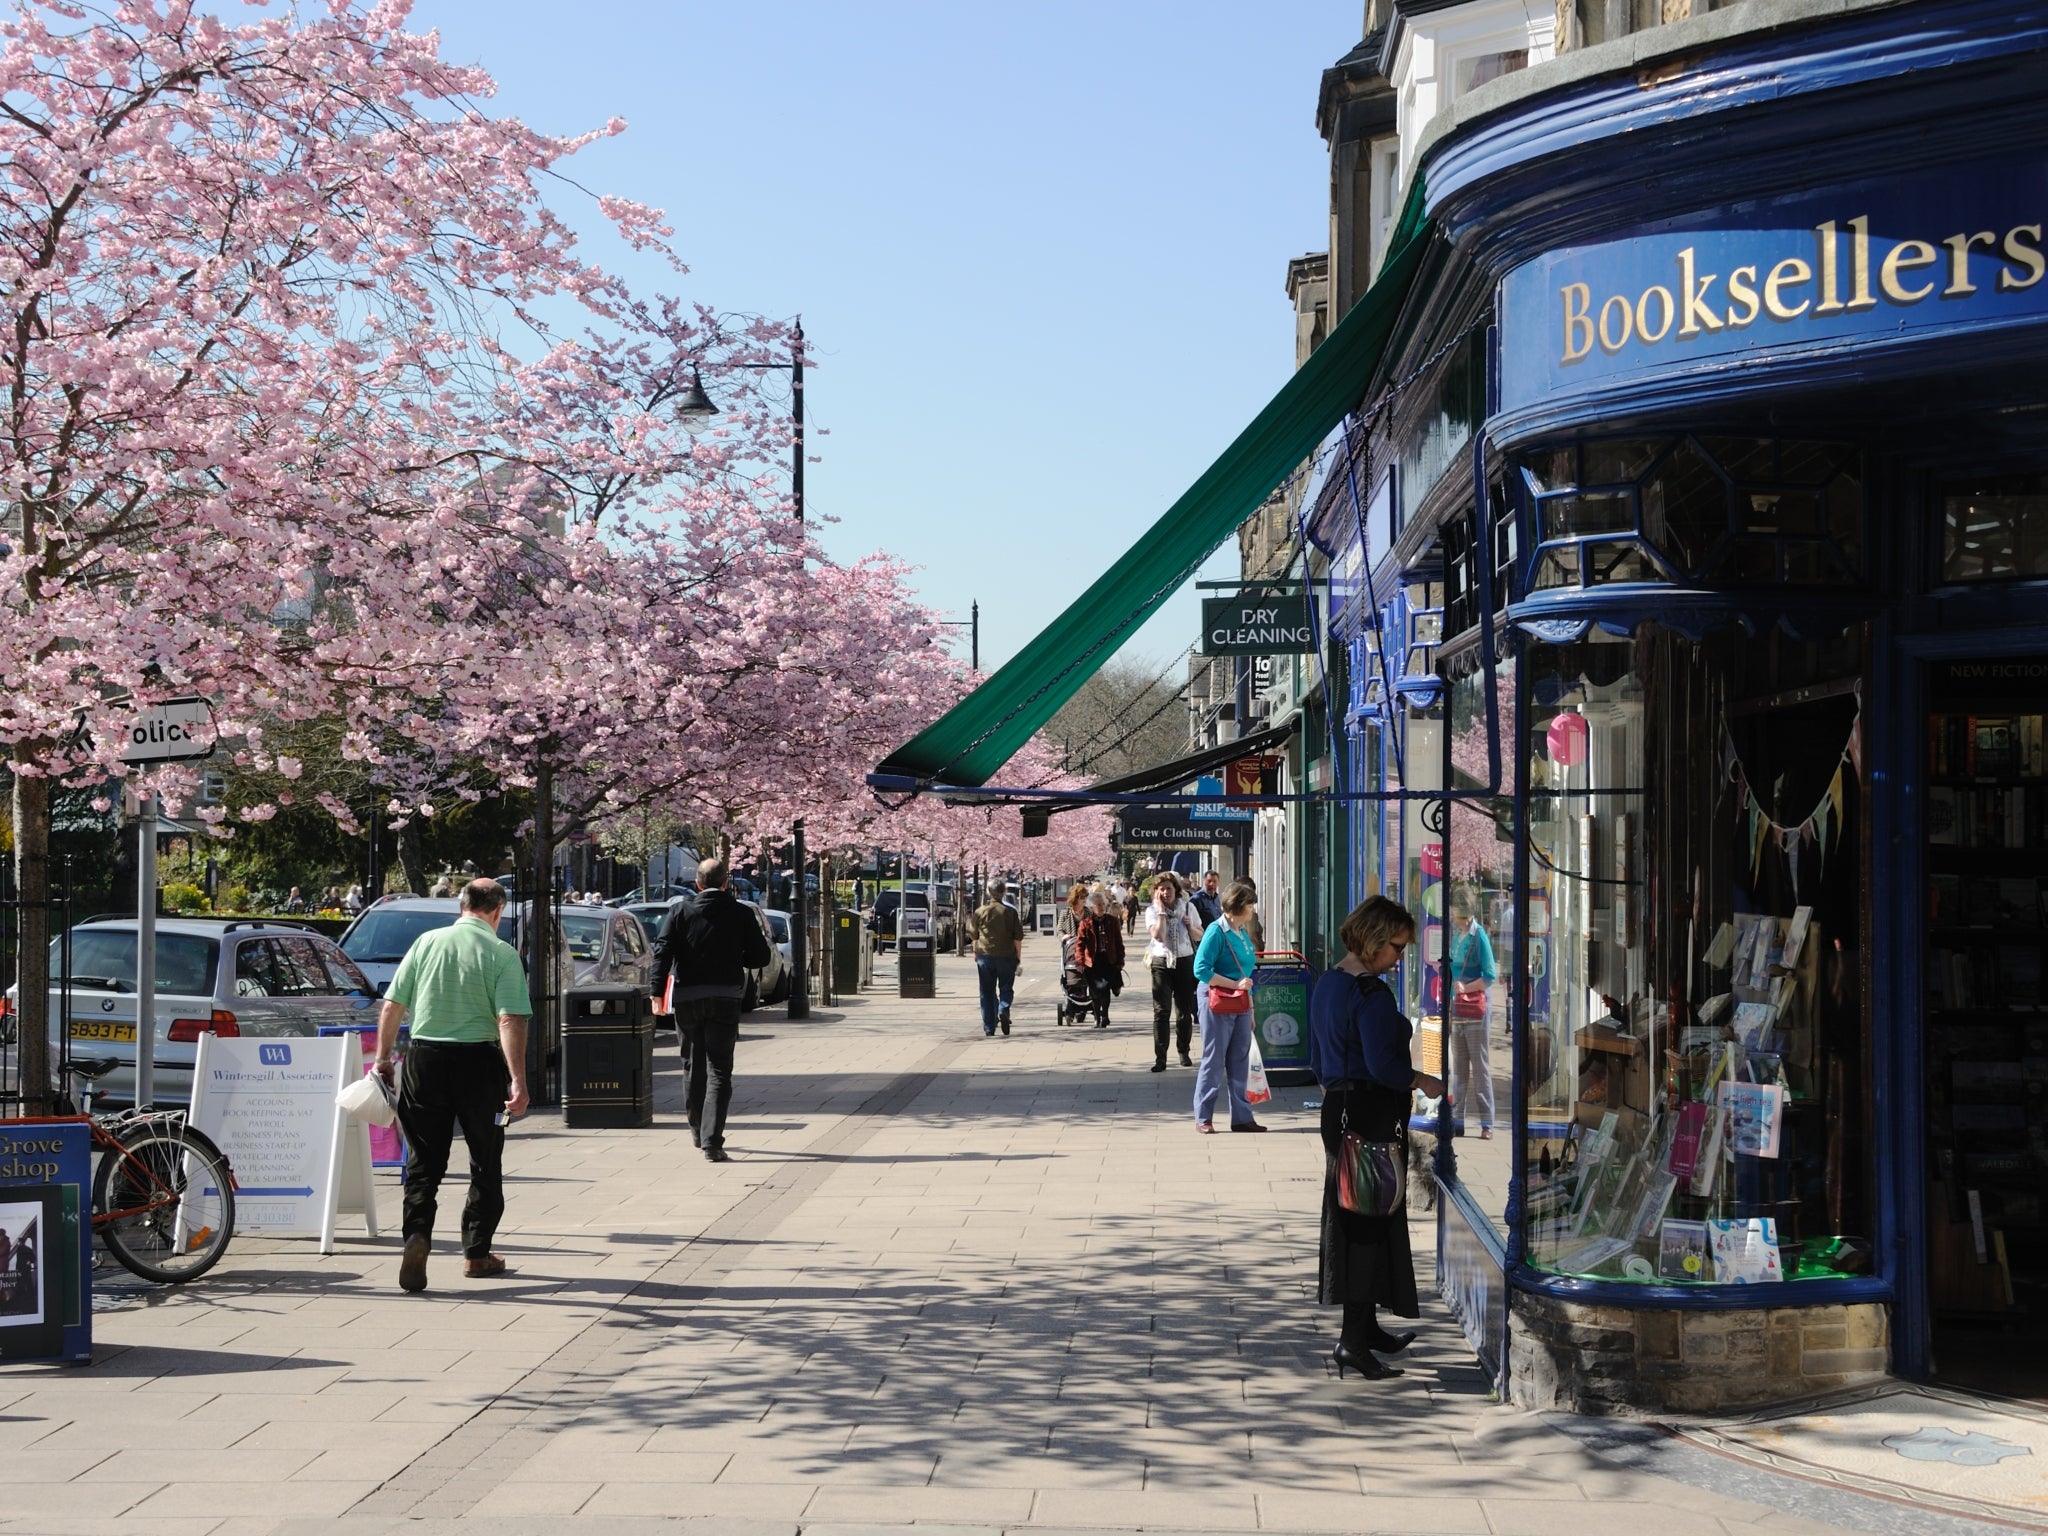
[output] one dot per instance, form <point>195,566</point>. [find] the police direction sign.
<point>1254,624</point>
<point>173,731</point>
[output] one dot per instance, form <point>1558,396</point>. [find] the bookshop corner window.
<point>1696,915</point>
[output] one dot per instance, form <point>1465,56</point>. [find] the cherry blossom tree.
<point>283,307</point>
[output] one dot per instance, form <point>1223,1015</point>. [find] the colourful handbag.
<point>1226,1001</point>
<point>1372,1176</point>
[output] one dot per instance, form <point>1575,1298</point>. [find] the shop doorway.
<point>1985,853</point>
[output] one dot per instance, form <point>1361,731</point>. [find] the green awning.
<point>983,731</point>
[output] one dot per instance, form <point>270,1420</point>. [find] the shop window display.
<point>1696,1069</point>
<point>1479,909</point>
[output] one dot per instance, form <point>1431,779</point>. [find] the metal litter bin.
<point>846,946</point>
<point>916,968</point>
<point>607,1058</point>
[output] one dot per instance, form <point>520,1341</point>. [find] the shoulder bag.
<point>1226,1000</point>
<point>1372,1176</point>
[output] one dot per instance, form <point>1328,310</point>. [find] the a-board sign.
<point>173,731</point>
<point>269,1104</point>
<point>45,1240</point>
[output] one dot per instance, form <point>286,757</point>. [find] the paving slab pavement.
<point>946,1284</point>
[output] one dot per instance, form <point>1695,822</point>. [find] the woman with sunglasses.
<point>1358,1050</point>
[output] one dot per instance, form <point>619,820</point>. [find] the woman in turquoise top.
<point>1473,973</point>
<point>1225,961</point>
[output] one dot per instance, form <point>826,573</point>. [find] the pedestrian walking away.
<point>998,945</point>
<point>1223,987</point>
<point>1131,905</point>
<point>1207,903</point>
<point>1473,972</point>
<point>465,1065</point>
<point>707,947</point>
<point>1358,1050</point>
<point>1100,949</point>
<point>1172,931</point>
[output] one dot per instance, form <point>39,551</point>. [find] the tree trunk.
<point>32,972</point>
<point>542,1036</point>
<point>412,858</point>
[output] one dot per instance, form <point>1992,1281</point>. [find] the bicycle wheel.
<point>164,1202</point>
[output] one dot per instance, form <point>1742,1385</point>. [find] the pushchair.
<point>1075,998</point>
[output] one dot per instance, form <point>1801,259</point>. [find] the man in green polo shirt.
<point>465,1065</point>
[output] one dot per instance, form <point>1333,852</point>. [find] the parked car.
<point>653,916</point>
<point>220,976</point>
<point>378,939</point>
<point>608,947</point>
<point>653,895</point>
<point>882,919</point>
<point>778,931</point>
<point>769,984</point>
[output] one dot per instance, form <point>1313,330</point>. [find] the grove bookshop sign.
<point>1256,624</point>
<point>1873,263</point>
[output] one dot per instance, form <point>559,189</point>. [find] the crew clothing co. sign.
<point>1256,625</point>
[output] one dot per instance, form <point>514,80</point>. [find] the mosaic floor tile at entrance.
<point>1983,1457</point>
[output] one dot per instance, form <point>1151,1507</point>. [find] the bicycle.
<point>163,1195</point>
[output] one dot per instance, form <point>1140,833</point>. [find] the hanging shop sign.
<point>1257,624</point>
<point>1951,252</point>
<point>1175,827</point>
<point>45,1240</point>
<point>1248,778</point>
<point>1217,812</point>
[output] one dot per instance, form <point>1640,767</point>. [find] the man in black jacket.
<point>709,945</point>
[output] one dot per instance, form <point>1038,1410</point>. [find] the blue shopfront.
<point>1685,584</point>
<point>1679,556</point>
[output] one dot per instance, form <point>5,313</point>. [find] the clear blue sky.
<point>1040,248</point>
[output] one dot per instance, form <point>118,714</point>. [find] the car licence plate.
<point>103,1029</point>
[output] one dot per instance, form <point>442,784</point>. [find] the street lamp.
<point>696,404</point>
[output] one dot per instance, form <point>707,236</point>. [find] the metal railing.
<point>57,911</point>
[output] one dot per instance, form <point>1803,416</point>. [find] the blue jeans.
<point>998,974</point>
<point>1226,1056</point>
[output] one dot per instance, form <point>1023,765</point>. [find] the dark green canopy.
<point>983,731</point>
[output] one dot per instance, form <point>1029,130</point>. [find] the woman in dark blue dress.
<point>1358,1049</point>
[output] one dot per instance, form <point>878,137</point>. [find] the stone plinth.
<point>1608,1359</point>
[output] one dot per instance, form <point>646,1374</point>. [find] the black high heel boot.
<point>1377,1337</point>
<point>1363,1361</point>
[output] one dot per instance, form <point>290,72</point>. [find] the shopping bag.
<point>1371,1176</point>
<point>369,1100</point>
<point>1256,1089</point>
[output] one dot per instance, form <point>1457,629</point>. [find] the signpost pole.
<point>145,954</point>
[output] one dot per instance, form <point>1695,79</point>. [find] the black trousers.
<point>710,1031</point>
<point>1173,991</point>
<point>447,1085</point>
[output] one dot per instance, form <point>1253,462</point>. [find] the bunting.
<point>1819,827</point>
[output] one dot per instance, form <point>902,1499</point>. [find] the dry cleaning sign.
<point>1256,626</point>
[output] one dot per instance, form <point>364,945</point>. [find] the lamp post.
<point>698,404</point>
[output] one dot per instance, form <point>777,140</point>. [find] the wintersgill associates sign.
<point>1252,624</point>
